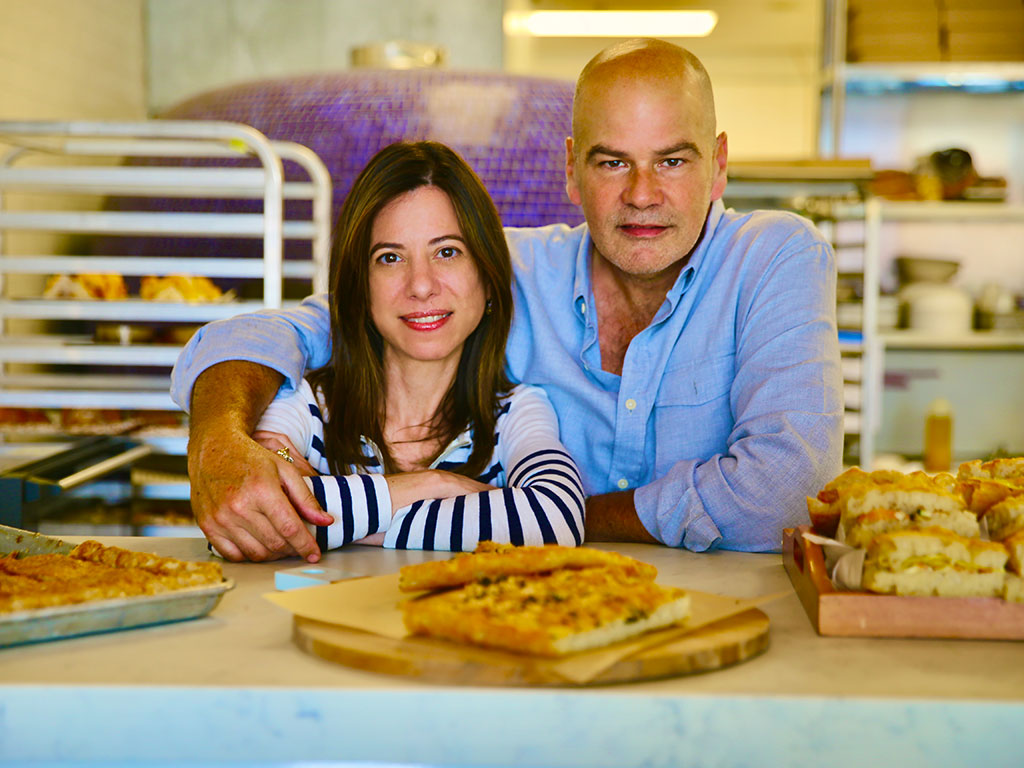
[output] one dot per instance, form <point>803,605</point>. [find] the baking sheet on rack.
<point>57,622</point>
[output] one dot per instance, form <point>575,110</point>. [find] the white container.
<point>937,308</point>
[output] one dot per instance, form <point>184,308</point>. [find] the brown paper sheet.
<point>371,605</point>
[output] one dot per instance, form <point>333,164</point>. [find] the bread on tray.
<point>934,561</point>
<point>867,504</point>
<point>924,534</point>
<point>92,571</point>
<point>985,484</point>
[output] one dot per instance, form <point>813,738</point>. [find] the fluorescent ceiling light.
<point>610,23</point>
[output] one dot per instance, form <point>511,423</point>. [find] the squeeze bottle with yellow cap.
<point>938,436</point>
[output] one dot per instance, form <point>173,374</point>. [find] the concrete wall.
<point>197,45</point>
<point>82,59</point>
<point>67,60</point>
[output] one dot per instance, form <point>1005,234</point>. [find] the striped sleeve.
<point>359,504</point>
<point>542,503</point>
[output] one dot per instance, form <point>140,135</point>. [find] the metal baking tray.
<point>96,616</point>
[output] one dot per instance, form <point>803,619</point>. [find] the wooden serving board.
<point>864,614</point>
<point>729,641</point>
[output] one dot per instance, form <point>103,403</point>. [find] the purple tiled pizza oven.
<point>510,129</point>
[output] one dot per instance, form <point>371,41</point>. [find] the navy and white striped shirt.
<point>538,500</point>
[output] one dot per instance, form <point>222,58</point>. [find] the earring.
<point>487,307</point>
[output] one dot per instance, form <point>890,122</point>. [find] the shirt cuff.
<point>674,515</point>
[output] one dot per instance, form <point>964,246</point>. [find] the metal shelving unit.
<point>840,77</point>
<point>55,168</point>
<point>875,213</point>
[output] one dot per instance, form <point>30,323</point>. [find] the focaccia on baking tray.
<point>92,571</point>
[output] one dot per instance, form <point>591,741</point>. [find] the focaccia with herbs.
<point>491,560</point>
<point>548,614</point>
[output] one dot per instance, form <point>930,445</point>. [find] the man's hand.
<point>247,501</point>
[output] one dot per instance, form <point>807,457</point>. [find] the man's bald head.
<point>648,60</point>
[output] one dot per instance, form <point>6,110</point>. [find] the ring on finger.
<point>283,453</point>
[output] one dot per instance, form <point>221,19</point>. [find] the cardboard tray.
<point>864,614</point>
<point>96,616</point>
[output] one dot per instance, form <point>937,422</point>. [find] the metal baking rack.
<point>56,179</point>
<point>55,169</point>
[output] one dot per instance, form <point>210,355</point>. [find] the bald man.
<point>690,351</point>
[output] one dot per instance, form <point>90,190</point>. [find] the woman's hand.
<point>409,487</point>
<point>275,441</point>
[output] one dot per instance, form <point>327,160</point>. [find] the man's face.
<point>645,166</point>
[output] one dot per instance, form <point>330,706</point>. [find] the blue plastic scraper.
<point>309,576</point>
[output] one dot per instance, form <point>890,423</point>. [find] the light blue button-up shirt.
<point>728,411</point>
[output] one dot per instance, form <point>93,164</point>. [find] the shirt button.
<point>623,483</point>
<point>630,404</point>
<point>583,307</point>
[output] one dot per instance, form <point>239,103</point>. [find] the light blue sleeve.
<point>787,438</point>
<point>290,341</point>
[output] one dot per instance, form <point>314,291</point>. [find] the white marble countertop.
<point>233,688</point>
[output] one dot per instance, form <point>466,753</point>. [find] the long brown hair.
<point>352,382</point>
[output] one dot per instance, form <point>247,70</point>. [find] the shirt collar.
<point>582,280</point>
<point>461,440</point>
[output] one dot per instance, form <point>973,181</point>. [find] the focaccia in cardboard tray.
<point>546,601</point>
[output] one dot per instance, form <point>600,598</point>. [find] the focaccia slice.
<point>934,561</point>
<point>870,503</point>
<point>170,571</point>
<point>1006,518</point>
<point>985,484</point>
<point>492,560</point>
<point>549,614</point>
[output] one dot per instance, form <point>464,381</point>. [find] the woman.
<point>423,441</point>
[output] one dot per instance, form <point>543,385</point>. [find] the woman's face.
<point>426,297</point>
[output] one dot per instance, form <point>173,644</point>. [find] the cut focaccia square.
<point>867,504</point>
<point>985,484</point>
<point>934,561</point>
<point>1015,546</point>
<point>491,560</point>
<point>1005,518</point>
<point>548,614</point>
<point>1001,468</point>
